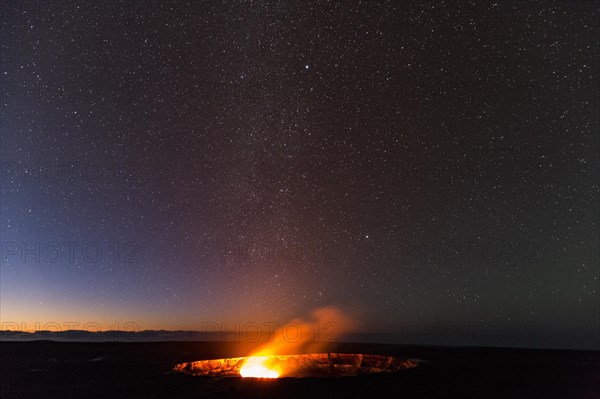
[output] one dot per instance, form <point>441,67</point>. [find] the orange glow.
<point>257,367</point>
<point>294,338</point>
<point>296,366</point>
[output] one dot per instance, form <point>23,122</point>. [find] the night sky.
<point>428,164</point>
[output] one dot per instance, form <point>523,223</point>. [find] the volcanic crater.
<point>320,365</point>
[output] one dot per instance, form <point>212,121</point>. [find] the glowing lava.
<point>256,366</point>
<point>320,365</point>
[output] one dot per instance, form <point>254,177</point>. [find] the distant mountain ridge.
<point>584,341</point>
<point>116,335</point>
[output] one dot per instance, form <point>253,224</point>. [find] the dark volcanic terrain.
<point>45,369</point>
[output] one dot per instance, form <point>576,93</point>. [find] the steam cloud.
<point>310,335</point>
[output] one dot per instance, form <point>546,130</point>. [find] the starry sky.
<point>171,163</point>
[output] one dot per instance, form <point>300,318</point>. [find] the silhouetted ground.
<point>45,369</point>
